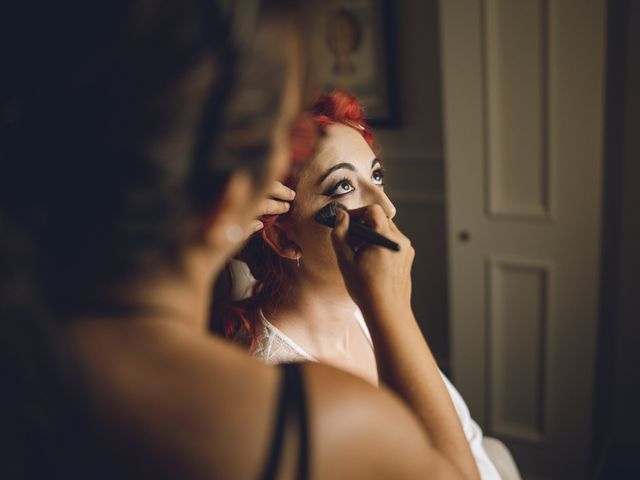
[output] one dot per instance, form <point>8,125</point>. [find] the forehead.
<point>340,144</point>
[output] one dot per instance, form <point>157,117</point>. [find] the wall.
<point>617,422</point>
<point>413,156</point>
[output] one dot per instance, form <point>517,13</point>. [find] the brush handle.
<point>327,216</point>
<point>362,232</point>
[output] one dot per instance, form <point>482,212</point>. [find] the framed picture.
<point>352,51</point>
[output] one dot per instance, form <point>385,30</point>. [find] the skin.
<point>333,280</point>
<point>319,313</point>
<point>199,407</point>
<point>277,202</point>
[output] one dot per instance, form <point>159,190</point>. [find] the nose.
<point>378,196</point>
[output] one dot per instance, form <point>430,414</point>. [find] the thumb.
<point>339,237</point>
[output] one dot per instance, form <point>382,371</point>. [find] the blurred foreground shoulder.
<point>199,407</point>
<point>359,431</point>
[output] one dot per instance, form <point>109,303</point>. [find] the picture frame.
<point>353,51</point>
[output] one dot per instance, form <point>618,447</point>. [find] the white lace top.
<point>273,346</point>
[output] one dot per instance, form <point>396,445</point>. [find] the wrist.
<point>393,313</point>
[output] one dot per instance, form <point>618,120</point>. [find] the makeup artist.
<point>137,138</point>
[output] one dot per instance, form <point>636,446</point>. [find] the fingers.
<point>373,216</point>
<point>254,227</point>
<point>274,207</point>
<point>278,191</point>
<point>339,237</point>
<point>277,201</point>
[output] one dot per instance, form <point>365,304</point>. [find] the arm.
<point>380,282</point>
<point>374,433</point>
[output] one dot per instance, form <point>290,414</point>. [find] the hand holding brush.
<point>327,216</point>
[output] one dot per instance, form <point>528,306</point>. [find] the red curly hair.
<point>240,319</point>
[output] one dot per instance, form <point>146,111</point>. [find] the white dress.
<point>274,346</point>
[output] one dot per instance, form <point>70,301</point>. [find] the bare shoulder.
<point>192,402</point>
<point>207,408</point>
<point>369,429</point>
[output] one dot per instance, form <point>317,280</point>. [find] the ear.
<point>232,212</point>
<point>278,239</point>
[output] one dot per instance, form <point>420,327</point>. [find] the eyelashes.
<point>378,176</point>
<point>333,189</point>
<point>345,186</point>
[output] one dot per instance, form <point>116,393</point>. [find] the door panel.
<point>523,108</point>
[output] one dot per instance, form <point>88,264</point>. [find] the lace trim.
<point>285,338</point>
<point>274,346</point>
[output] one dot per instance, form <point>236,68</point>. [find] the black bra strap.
<point>303,425</point>
<point>292,405</point>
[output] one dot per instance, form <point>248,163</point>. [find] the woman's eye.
<point>378,177</point>
<point>343,187</point>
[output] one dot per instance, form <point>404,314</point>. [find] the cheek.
<point>353,200</point>
<point>316,241</point>
<point>313,238</point>
<point>306,230</point>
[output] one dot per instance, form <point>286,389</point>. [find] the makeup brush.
<point>327,216</point>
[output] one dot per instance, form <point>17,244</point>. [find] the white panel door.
<point>523,109</point>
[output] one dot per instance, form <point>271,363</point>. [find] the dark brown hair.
<point>115,120</point>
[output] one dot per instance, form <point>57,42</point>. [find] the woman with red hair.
<point>293,249</point>
<point>300,308</point>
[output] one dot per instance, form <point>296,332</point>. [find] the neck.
<point>180,296</point>
<point>184,303</point>
<point>317,313</point>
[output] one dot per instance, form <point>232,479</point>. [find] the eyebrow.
<point>337,166</point>
<point>347,166</point>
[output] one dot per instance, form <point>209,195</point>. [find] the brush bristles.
<point>327,215</point>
